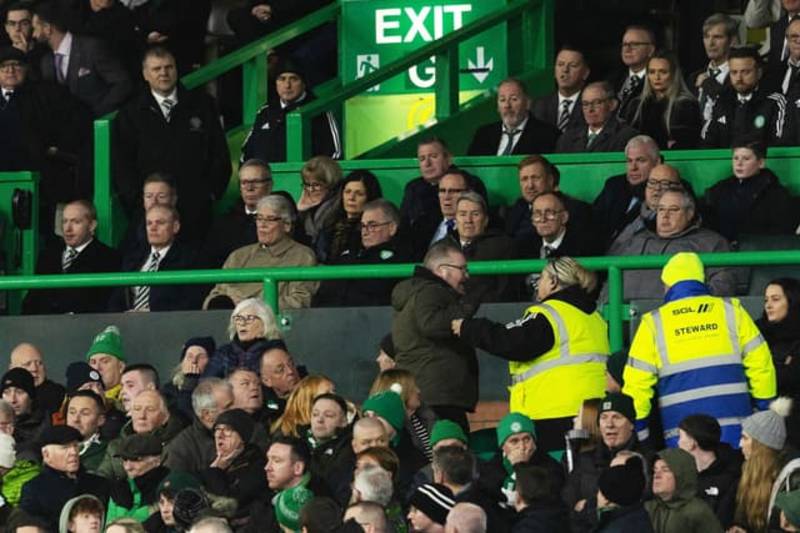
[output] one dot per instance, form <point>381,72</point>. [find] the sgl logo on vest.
<point>702,308</point>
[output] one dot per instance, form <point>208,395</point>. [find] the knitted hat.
<point>389,406</point>
<point>434,501</point>
<point>204,342</point>
<point>447,429</point>
<point>108,342</point>
<point>189,505</point>
<point>615,365</point>
<point>80,373</point>
<point>623,484</point>
<point>241,422</point>
<point>704,429</point>
<point>288,504</point>
<point>789,503</point>
<point>175,482</point>
<point>514,423</point>
<point>59,435</point>
<point>768,427</point>
<point>19,378</point>
<point>8,454</point>
<point>620,403</point>
<point>684,266</point>
<point>287,65</point>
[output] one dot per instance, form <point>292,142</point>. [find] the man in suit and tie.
<point>719,34</point>
<point>79,252</point>
<point>778,43</point>
<point>452,184</point>
<point>784,77</point>
<point>164,253</point>
<point>638,44</point>
<point>562,108</point>
<point>518,131</point>
<point>600,130</point>
<point>83,64</point>
<point>553,238</point>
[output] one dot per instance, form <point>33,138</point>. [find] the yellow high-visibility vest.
<point>555,384</point>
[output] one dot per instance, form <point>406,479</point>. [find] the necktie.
<point>713,72</point>
<point>141,300</point>
<point>510,145</point>
<point>590,138</point>
<point>167,104</point>
<point>6,99</point>
<point>563,118</point>
<point>548,251</point>
<point>69,258</point>
<point>629,87</point>
<point>451,225</point>
<point>58,60</point>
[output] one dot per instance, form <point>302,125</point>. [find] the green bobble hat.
<point>514,423</point>
<point>108,341</point>
<point>175,482</point>
<point>288,504</point>
<point>389,406</point>
<point>447,429</point>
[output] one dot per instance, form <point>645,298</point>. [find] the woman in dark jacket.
<point>666,111</point>
<point>194,358</point>
<point>619,498</point>
<point>252,330</point>
<point>780,325</point>
<point>321,179</point>
<point>342,230</point>
<point>753,199</point>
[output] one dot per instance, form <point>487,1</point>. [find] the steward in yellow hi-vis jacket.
<point>557,351</point>
<point>704,355</point>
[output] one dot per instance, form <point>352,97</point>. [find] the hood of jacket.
<point>421,280</point>
<point>684,469</point>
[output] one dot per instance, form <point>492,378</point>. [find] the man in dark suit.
<point>79,252</point>
<point>562,108</point>
<point>82,64</point>
<point>784,77</point>
<point>169,129</point>
<point>554,238</point>
<point>518,131</point>
<point>719,34</point>
<point>601,130</point>
<point>638,44</point>
<point>434,226</point>
<point>165,253</point>
<point>778,43</point>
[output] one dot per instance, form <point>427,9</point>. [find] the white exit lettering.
<point>387,21</point>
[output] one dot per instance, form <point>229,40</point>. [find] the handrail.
<point>446,51</point>
<point>271,276</point>
<point>254,94</point>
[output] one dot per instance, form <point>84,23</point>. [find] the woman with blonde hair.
<point>557,351</point>
<point>419,417</point>
<point>321,178</point>
<point>763,439</point>
<point>252,330</point>
<point>296,418</point>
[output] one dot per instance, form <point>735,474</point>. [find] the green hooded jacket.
<point>684,512</point>
<point>22,472</point>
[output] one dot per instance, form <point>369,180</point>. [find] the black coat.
<point>578,242</point>
<point>541,518</point>
<point>162,297</point>
<point>492,474</point>
<point>617,81</point>
<point>267,138</point>
<point>116,26</point>
<point>94,75</point>
<point>50,396</point>
<point>764,116</point>
<point>756,205</point>
<point>229,232</point>
<point>96,257</point>
<point>537,138</point>
<point>633,519</point>
<point>684,124</point>
<point>492,245</point>
<point>191,147</point>
<point>612,210</point>
<point>783,339</point>
<point>243,480</point>
<point>612,138</point>
<point>497,518</point>
<point>717,484</point>
<point>547,110</point>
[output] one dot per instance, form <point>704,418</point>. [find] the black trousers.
<point>550,433</point>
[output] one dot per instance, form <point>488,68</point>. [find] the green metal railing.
<point>252,59</point>
<point>530,45</point>
<point>271,276</point>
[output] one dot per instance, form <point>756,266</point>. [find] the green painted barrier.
<point>271,276</point>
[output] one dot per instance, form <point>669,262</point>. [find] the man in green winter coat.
<point>137,496</point>
<point>676,508</point>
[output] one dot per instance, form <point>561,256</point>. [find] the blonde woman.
<point>321,178</point>
<point>296,418</point>
<point>557,351</point>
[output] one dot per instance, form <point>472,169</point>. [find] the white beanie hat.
<point>8,454</point>
<point>768,427</point>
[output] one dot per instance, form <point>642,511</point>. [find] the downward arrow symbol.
<point>481,68</point>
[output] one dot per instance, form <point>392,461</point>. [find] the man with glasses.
<point>237,227</point>
<point>518,131</point>
<point>554,237</point>
<point>601,130</point>
<point>445,368</point>
<point>380,221</point>
<point>19,28</point>
<point>638,44</point>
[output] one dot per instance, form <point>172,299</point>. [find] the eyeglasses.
<point>664,184</point>
<point>547,214</point>
<point>593,103</point>
<point>224,430</point>
<point>11,65</point>
<point>369,227</point>
<point>252,184</point>
<point>634,44</point>
<point>245,319</point>
<point>314,186</point>
<point>462,268</point>
<point>266,220</point>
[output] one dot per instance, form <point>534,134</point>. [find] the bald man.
<point>49,394</point>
